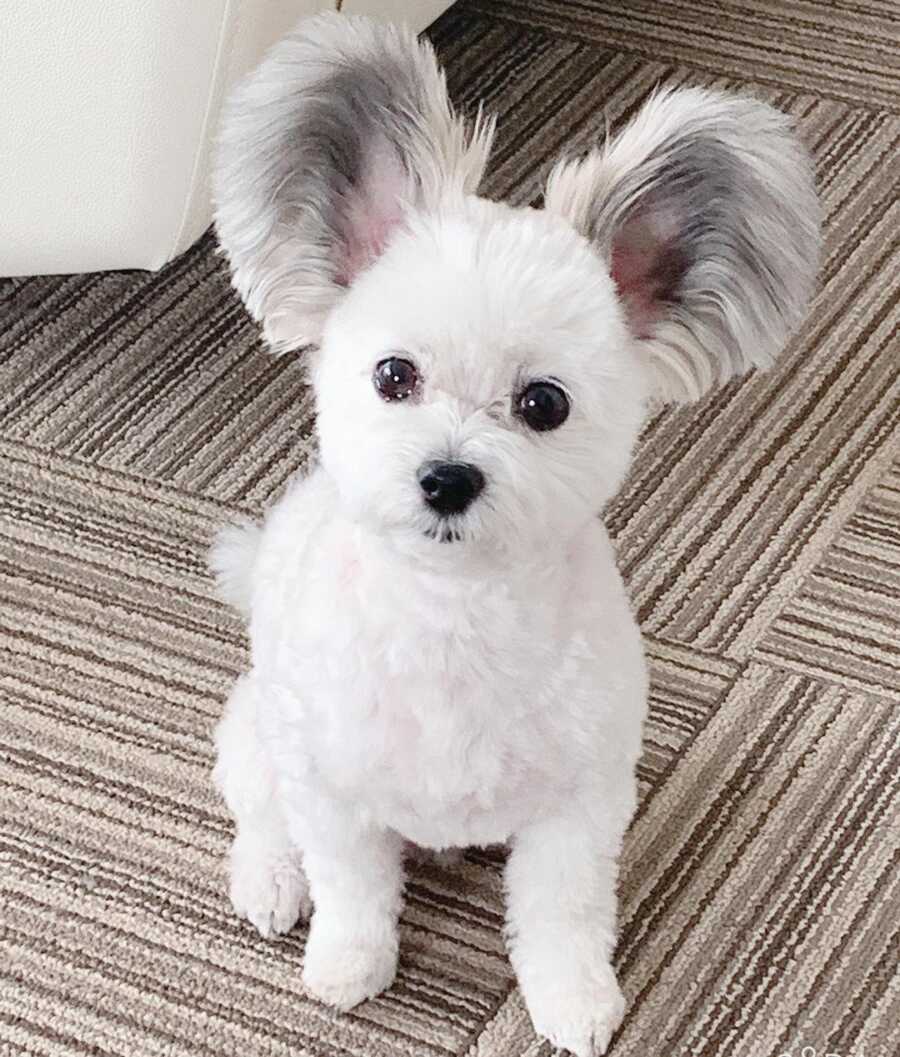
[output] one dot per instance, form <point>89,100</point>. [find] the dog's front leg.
<point>561,915</point>
<point>356,881</point>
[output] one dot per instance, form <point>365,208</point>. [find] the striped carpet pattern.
<point>759,532</point>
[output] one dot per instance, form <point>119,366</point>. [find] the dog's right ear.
<point>704,210</point>
<point>344,127</point>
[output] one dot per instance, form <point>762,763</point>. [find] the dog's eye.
<point>395,379</point>
<point>543,405</point>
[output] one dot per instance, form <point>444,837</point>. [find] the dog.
<point>442,650</point>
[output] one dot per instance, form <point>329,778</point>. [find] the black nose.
<point>449,487</point>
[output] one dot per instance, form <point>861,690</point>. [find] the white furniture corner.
<point>109,108</point>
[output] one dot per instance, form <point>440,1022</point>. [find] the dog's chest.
<point>434,703</point>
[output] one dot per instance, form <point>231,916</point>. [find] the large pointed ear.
<point>705,212</point>
<point>344,127</point>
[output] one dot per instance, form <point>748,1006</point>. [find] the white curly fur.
<point>493,687</point>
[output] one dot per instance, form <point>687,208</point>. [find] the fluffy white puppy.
<point>442,648</point>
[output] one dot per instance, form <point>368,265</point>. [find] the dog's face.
<point>482,370</point>
<point>477,384</point>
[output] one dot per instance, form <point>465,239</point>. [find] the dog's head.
<point>482,371</point>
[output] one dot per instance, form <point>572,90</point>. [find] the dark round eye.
<point>543,405</point>
<point>395,379</point>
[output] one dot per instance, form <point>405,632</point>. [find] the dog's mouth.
<point>443,532</point>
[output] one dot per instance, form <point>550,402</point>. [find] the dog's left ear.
<point>343,128</point>
<point>704,210</point>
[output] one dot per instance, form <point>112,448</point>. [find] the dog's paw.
<point>580,1018</point>
<point>342,970</point>
<point>272,896</point>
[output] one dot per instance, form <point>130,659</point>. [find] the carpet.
<point>759,532</point>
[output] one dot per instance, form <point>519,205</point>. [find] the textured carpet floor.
<point>759,532</point>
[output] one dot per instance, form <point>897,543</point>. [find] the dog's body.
<point>449,706</point>
<point>442,648</point>
<point>356,656</point>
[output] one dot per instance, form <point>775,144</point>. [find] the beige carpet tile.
<point>845,50</point>
<point>162,376</point>
<point>760,887</point>
<point>686,687</point>
<point>842,624</point>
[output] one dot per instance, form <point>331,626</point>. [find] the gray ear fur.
<point>704,210</point>
<point>344,126</point>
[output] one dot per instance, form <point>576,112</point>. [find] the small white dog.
<point>442,648</point>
